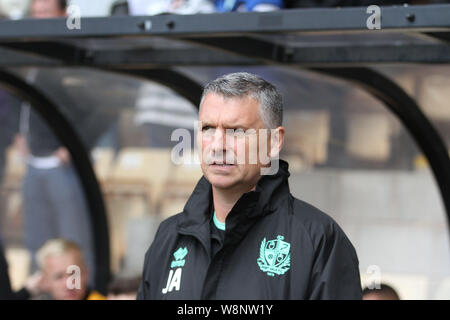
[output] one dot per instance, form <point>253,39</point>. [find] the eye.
<point>235,132</point>
<point>207,129</point>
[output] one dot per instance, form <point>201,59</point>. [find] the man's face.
<point>56,275</point>
<point>44,9</point>
<point>217,114</point>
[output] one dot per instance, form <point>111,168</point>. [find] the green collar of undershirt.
<point>219,225</point>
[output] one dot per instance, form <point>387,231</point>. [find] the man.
<point>54,203</point>
<point>64,271</point>
<point>242,235</point>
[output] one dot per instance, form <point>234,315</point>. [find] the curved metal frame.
<point>64,130</point>
<point>409,114</point>
<point>180,83</point>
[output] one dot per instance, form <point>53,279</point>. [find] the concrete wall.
<point>395,220</point>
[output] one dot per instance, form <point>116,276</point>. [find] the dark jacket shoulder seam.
<point>291,208</point>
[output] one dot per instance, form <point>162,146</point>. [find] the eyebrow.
<point>226,126</point>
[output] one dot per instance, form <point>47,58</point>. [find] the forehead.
<point>232,111</point>
<point>58,261</point>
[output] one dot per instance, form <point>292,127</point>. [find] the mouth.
<point>222,164</point>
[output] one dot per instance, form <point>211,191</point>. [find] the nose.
<point>218,141</point>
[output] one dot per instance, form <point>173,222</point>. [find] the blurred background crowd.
<point>16,9</point>
<point>348,155</point>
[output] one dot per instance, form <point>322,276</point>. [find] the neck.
<point>224,200</point>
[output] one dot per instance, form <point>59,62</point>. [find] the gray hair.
<point>243,84</point>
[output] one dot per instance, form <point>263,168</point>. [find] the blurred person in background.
<point>120,8</point>
<point>45,9</point>
<point>354,3</point>
<point>9,119</point>
<point>144,7</point>
<point>64,272</point>
<point>248,5</point>
<point>385,292</point>
<point>123,288</point>
<point>53,201</point>
<point>154,7</point>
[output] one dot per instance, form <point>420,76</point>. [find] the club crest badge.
<point>274,256</point>
<point>179,256</point>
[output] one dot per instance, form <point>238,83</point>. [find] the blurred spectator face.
<point>383,292</point>
<point>43,9</point>
<point>56,276</point>
<point>379,296</point>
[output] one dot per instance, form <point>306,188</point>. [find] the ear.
<point>276,141</point>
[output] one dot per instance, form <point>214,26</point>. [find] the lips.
<point>220,167</point>
<point>222,164</point>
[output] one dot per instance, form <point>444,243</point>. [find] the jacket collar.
<point>270,191</point>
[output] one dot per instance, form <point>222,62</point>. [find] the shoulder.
<point>166,229</point>
<point>170,223</point>
<point>165,235</point>
<point>319,226</point>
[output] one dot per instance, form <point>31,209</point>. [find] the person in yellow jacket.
<point>64,273</point>
<point>94,295</point>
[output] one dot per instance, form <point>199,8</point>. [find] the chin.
<point>221,182</point>
<point>72,296</point>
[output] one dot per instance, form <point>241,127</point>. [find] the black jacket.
<point>275,247</point>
